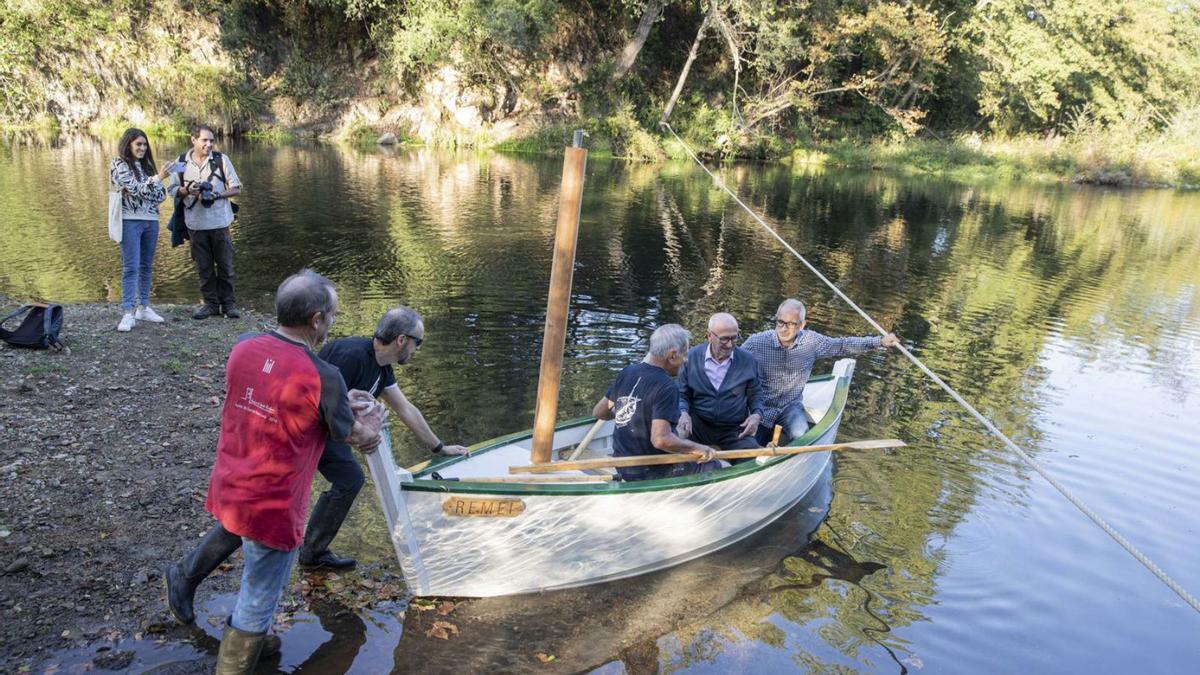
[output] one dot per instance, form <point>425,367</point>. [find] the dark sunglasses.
<point>416,340</point>
<point>786,324</point>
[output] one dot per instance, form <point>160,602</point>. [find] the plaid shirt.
<point>783,371</point>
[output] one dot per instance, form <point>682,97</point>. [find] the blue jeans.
<point>138,239</point>
<point>794,423</point>
<point>264,576</point>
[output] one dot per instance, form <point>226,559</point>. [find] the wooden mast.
<point>570,201</point>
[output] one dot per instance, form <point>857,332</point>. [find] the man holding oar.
<point>644,402</point>
<point>785,360</point>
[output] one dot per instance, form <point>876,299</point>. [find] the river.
<point>1069,315</point>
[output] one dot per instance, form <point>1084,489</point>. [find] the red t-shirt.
<point>281,403</point>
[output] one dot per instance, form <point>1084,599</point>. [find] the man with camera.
<point>202,190</point>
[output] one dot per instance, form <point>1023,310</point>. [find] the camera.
<point>207,196</point>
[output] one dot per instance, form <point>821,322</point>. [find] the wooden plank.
<point>651,460</point>
<point>570,201</point>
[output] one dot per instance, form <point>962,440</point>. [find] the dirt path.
<point>105,455</point>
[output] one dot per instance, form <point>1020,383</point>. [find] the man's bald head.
<point>722,321</point>
<point>302,295</point>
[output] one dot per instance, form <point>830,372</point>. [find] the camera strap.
<point>183,162</point>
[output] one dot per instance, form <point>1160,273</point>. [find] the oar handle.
<point>587,440</point>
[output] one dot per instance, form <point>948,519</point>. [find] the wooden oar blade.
<point>877,444</point>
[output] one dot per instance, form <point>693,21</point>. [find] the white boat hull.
<point>569,534</point>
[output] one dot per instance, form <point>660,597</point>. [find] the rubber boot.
<point>239,651</point>
<point>185,576</point>
<point>323,525</point>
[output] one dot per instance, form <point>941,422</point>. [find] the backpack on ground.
<point>39,329</point>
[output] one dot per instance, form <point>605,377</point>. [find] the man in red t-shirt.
<point>281,404</point>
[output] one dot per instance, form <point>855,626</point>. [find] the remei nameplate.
<point>483,508</point>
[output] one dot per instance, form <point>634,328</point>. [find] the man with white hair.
<point>720,398</point>
<point>645,404</point>
<point>785,360</point>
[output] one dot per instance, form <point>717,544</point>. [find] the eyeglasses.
<point>780,323</point>
<point>726,339</point>
<point>416,340</point>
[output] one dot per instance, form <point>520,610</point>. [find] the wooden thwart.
<point>650,460</point>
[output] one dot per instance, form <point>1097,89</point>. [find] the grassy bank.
<point>1129,156</point>
<point>1139,152</point>
<point>1164,160</point>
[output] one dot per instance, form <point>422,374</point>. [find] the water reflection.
<point>1068,315</point>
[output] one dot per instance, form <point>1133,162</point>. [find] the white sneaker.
<point>126,324</point>
<point>147,314</point>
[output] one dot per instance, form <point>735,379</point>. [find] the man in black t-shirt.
<point>366,364</point>
<point>644,402</point>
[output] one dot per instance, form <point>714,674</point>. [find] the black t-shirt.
<point>355,358</point>
<point>641,393</point>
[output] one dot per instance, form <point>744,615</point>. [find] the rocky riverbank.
<point>105,457</point>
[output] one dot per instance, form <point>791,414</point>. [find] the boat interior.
<point>493,461</point>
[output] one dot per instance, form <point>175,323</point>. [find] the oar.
<point>649,460</point>
<point>532,479</point>
<point>587,440</point>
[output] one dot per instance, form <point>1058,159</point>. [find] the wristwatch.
<point>437,449</point>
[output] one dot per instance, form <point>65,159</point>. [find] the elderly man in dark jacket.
<point>720,399</point>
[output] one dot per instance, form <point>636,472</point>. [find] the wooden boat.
<point>457,535</point>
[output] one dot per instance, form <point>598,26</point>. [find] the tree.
<point>632,48</point>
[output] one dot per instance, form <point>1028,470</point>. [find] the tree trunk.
<point>632,48</point>
<point>687,66</point>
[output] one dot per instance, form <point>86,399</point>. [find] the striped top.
<point>141,193</point>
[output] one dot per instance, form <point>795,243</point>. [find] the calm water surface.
<point>1068,315</point>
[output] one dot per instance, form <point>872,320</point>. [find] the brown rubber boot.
<point>239,651</point>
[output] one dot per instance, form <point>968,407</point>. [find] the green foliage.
<point>1111,82</point>
<point>1043,60</point>
<point>469,33</point>
<point>626,136</point>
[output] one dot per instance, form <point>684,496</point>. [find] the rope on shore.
<point>1087,511</point>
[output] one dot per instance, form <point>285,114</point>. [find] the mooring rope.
<point>1087,511</point>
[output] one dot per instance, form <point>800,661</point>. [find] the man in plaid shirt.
<point>785,360</point>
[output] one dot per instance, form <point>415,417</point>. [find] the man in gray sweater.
<point>785,360</point>
<point>720,399</point>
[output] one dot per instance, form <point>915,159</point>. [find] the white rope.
<point>1087,511</point>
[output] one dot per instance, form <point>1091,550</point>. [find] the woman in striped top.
<point>134,175</point>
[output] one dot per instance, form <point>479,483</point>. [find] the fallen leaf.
<point>442,630</point>
<point>445,608</point>
<point>545,658</point>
